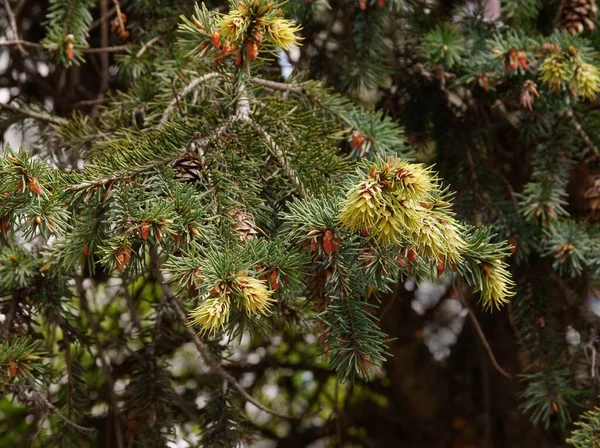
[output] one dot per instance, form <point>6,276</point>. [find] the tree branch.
<point>282,159</point>
<point>184,92</point>
<point>43,116</point>
<point>37,400</point>
<point>12,20</point>
<point>115,49</point>
<point>281,86</point>
<point>484,340</point>
<point>147,45</point>
<point>582,134</point>
<point>19,42</point>
<point>104,57</point>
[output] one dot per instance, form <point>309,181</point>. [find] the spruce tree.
<point>216,206</point>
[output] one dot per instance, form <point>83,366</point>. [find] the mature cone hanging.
<point>244,225</point>
<point>188,168</point>
<point>577,15</point>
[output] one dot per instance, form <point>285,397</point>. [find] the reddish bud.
<point>34,186</point>
<point>251,49</point>
<point>512,240</point>
<point>274,279</point>
<point>440,268</point>
<point>216,39</point>
<point>362,4</point>
<point>523,60</point>
<point>4,224</point>
<point>412,254</point>
<point>13,368</point>
<point>123,255</point>
<point>69,51</point>
<point>314,244</point>
<point>357,141</point>
<point>485,83</point>
<point>331,243</point>
<point>145,230</point>
<point>86,250</point>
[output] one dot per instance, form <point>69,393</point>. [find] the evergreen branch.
<point>43,116</point>
<point>37,400</point>
<point>282,159</point>
<point>184,92</point>
<point>281,86</point>
<point>25,43</point>
<point>242,112</point>
<point>12,20</point>
<point>212,363</point>
<point>582,134</point>
<point>128,173</point>
<point>19,42</point>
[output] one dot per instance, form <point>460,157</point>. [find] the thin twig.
<point>19,7</point>
<point>484,340</point>
<point>388,306</point>
<point>184,92</point>
<point>10,316</point>
<point>12,20</point>
<point>96,23</point>
<point>43,116</point>
<point>125,173</point>
<point>104,57</point>
<point>19,42</point>
<point>103,363</point>
<point>115,49</point>
<point>147,45</point>
<point>281,86</point>
<point>582,134</point>
<point>210,360</point>
<point>25,43</point>
<point>282,159</point>
<point>38,400</point>
<point>119,18</point>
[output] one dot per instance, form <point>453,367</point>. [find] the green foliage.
<point>67,29</point>
<point>586,434</point>
<point>211,201</point>
<point>444,45</point>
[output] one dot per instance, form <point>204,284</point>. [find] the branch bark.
<point>43,116</point>
<point>12,20</point>
<point>210,360</point>
<point>184,92</point>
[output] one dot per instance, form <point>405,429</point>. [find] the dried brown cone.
<point>576,16</point>
<point>188,168</point>
<point>244,225</point>
<point>528,95</point>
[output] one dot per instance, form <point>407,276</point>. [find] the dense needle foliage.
<point>213,219</point>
